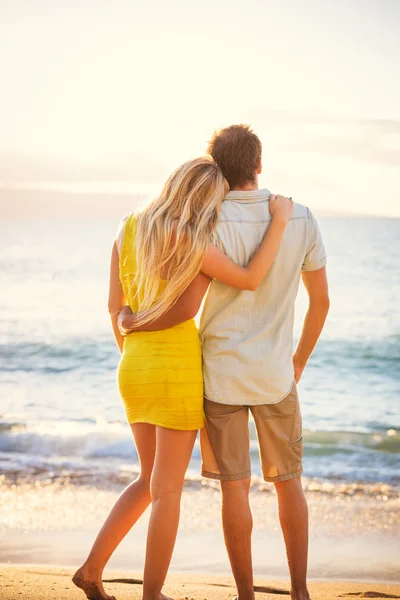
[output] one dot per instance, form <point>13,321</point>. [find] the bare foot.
<point>160,596</point>
<point>93,589</point>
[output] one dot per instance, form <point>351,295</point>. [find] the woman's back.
<point>160,372</point>
<point>128,262</point>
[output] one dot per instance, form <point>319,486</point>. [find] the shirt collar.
<point>248,196</point>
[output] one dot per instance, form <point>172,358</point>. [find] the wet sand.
<point>41,583</point>
<point>354,530</point>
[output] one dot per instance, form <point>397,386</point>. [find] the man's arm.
<point>316,284</point>
<point>186,307</point>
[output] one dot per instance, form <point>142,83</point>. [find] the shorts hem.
<point>221,477</point>
<point>284,477</point>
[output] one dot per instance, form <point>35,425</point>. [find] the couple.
<point>209,220</point>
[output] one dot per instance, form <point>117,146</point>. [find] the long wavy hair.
<point>173,234</point>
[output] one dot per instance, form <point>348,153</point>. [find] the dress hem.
<point>158,424</point>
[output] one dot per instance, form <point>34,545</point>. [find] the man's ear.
<point>259,167</point>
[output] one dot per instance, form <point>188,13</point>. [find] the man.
<point>247,340</point>
<point>247,343</point>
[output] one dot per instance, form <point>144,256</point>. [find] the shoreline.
<point>40,583</point>
<point>116,572</point>
<point>362,558</point>
<point>352,536</point>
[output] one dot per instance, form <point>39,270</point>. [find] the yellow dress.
<point>160,377</point>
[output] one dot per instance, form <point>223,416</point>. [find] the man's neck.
<point>247,187</point>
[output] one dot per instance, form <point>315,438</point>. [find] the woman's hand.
<point>281,208</point>
<point>125,320</point>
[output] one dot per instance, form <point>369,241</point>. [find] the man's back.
<point>247,337</point>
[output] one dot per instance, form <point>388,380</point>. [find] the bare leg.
<point>174,449</point>
<point>293,515</point>
<point>129,507</point>
<point>237,523</point>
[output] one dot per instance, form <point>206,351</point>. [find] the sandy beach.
<point>34,583</point>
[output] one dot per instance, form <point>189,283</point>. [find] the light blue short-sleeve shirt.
<point>247,337</point>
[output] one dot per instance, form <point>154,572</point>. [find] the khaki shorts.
<point>225,440</point>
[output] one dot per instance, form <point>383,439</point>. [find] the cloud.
<point>367,146</point>
<point>18,168</point>
<point>286,117</point>
<point>361,139</point>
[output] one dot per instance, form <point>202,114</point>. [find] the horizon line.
<point>125,190</point>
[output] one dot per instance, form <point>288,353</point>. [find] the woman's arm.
<point>218,266</point>
<point>116,298</point>
<point>186,307</point>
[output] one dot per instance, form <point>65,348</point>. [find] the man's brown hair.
<point>237,152</point>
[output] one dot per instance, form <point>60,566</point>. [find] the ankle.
<point>91,571</point>
<point>299,592</point>
<point>245,593</point>
<point>152,595</point>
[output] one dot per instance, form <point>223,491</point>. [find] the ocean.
<point>60,413</point>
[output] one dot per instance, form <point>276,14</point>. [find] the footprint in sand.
<point>368,595</point>
<point>270,590</point>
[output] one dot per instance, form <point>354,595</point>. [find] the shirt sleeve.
<point>119,237</point>
<point>315,257</point>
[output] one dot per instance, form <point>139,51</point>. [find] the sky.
<point>112,96</point>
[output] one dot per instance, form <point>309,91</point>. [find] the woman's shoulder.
<point>119,237</point>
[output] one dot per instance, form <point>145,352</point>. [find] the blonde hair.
<point>173,234</point>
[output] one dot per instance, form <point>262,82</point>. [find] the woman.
<point>164,252</point>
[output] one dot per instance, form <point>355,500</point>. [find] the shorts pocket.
<point>216,408</point>
<point>295,442</point>
<point>296,448</point>
<point>283,409</point>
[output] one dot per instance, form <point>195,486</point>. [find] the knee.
<point>236,510</point>
<point>144,482</point>
<point>289,487</point>
<point>165,490</point>
<point>237,488</point>
<point>235,497</point>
